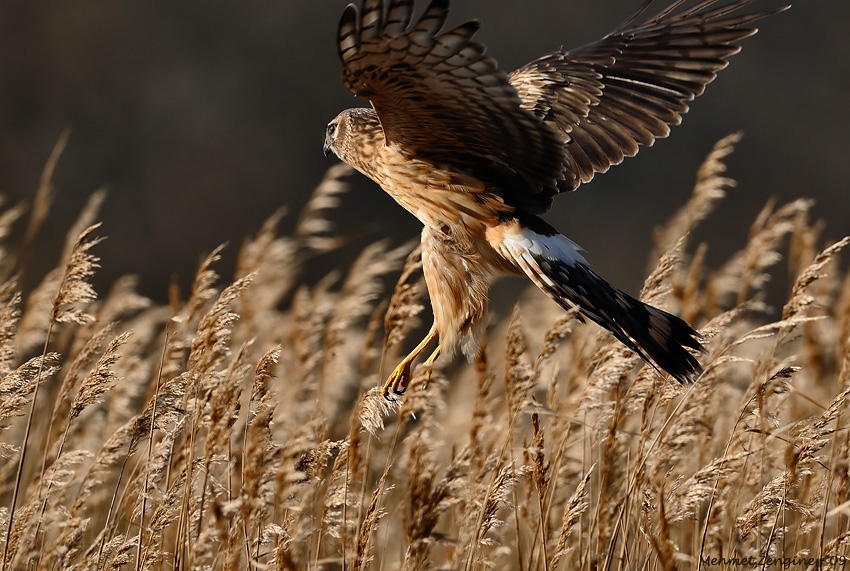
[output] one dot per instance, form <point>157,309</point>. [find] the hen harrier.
<point>476,153</point>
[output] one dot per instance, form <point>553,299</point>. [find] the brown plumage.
<point>475,153</point>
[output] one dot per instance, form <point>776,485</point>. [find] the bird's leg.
<point>429,362</point>
<point>397,381</point>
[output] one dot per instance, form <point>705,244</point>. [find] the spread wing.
<point>439,97</point>
<point>625,90</point>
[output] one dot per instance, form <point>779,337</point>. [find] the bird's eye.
<point>331,131</point>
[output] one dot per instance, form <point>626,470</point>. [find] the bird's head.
<point>331,134</point>
<point>353,135</point>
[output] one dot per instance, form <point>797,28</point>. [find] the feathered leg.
<point>555,264</point>
<point>458,280</point>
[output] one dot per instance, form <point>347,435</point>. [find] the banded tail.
<point>555,264</point>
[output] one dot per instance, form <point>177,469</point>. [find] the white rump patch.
<point>558,247</point>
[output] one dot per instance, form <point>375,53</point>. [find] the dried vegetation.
<point>241,427</point>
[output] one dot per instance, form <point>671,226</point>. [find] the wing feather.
<point>431,22</point>
<point>612,96</point>
<point>347,38</point>
<point>399,14</point>
<point>372,20</point>
<point>439,97</point>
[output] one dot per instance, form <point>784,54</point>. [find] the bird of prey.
<point>477,154</point>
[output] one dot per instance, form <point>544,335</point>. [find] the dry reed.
<point>241,427</point>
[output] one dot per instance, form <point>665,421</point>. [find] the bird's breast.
<point>441,198</point>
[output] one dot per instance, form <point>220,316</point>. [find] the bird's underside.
<point>475,153</point>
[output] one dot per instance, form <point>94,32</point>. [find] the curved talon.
<point>397,382</point>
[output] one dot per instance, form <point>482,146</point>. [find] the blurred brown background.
<point>201,118</point>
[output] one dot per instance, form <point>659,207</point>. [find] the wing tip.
<point>347,35</point>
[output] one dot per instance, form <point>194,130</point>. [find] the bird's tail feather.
<point>556,265</point>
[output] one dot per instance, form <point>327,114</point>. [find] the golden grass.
<point>230,431</point>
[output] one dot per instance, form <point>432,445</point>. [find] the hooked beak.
<point>326,148</point>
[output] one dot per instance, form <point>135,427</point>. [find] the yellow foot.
<point>429,363</point>
<point>397,381</point>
